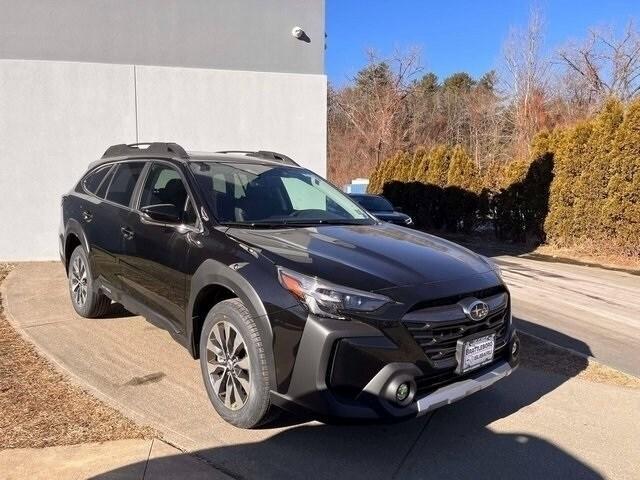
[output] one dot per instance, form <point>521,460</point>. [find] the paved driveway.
<point>591,310</point>
<point>530,425</point>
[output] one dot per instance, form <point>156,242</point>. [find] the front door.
<point>155,254</point>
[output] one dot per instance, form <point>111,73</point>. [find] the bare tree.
<point>605,65</point>
<point>386,107</point>
<point>526,80</point>
<point>375,107</point>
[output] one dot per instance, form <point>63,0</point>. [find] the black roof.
<point>177,152</point>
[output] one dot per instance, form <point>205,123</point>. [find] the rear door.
<point>111,215</point>
<point>94,215</point>
<point>155,256</point>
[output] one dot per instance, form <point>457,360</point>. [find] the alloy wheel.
<point>79,287</point>
<point>228,365</point>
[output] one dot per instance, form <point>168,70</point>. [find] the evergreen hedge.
<point>581,186</point>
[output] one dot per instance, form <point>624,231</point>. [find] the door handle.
<point>87,215</point>
<point>126,233</point>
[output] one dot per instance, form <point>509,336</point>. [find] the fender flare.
<point>213,272</point>
<point>74,227</point>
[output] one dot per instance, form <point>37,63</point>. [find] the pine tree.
<point>621,209</point>
<point>462,171</point>
<point>438,166</point>
<point>423,169</point>
<point>418,164</point>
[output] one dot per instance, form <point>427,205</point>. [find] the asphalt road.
<point>591,310</point>
<point>527,426</point>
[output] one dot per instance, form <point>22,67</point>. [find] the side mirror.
<point>163,212</point>
<point>397,209</point>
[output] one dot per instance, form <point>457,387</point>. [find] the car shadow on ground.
<point>457,441</point>
<point>552,336</point>
<point>116,311</point>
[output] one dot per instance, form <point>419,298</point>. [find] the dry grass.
<point>540,355</point>
<point>599,254</point>
<point>39,407</point>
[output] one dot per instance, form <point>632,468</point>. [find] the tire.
<point>233,371</point>
<point>86,299</point>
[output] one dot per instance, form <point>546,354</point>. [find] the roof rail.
<point>266,154</point>
<point>157,148</point>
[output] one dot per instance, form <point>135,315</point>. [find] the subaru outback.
<point>289,293</point>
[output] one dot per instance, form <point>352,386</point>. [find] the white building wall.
<point>57,117</point>
<point>212,110</point>
<point>54,118</point>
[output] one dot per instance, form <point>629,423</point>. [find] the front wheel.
<point>234,365</point>
<point>86,299</point>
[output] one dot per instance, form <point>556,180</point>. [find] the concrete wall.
<point>56,117</point>
<point>225,110</point>
<point>221,34</point>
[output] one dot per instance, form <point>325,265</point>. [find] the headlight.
<point>408,221</point>
<point>326,299</point>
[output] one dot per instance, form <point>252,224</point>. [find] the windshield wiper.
<point>255,224</point>
<point>345,221</point>
<point>327,221</point>
<point>290,223</point>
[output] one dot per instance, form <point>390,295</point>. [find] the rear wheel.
<point>86,299</point>
<point>234,365</point>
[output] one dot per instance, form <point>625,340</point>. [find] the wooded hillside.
<point>548,149</point>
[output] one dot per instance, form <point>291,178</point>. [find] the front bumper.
<point>458,390</point>
<point>377,366</point>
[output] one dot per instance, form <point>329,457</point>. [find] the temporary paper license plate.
<point>474,353</point>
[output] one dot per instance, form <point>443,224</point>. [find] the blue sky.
<point>455,35</point>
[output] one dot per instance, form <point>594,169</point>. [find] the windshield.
<point>273,195</point>
<point>375,204</point>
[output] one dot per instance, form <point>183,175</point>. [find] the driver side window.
<point>164,185</point>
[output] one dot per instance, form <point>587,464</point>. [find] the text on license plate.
<point>475,353</point>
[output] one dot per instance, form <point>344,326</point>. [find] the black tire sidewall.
<point>255,410</point>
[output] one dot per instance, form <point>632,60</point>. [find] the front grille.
<point>438,329</point>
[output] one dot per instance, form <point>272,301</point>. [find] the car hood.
<point>367,257</point>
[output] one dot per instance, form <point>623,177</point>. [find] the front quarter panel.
<point>253,279</point>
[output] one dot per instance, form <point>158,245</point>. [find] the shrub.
<point>582,185</point>
<point>595,195</point>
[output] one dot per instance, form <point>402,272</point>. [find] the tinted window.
<point>102,189</point>
<point>92,181</point>
<point>164,185</point>
<point>124,181</point>
<point>190,217</point>
<point>267,194</point>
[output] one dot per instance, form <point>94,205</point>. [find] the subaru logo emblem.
<point>478,310</point>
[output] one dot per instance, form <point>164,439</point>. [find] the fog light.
<point>403,392</point>
<point>515,348</point>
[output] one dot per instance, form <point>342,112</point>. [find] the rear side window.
<point>102,189</point>
<point>124,181</point>
<point>92,181</point>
